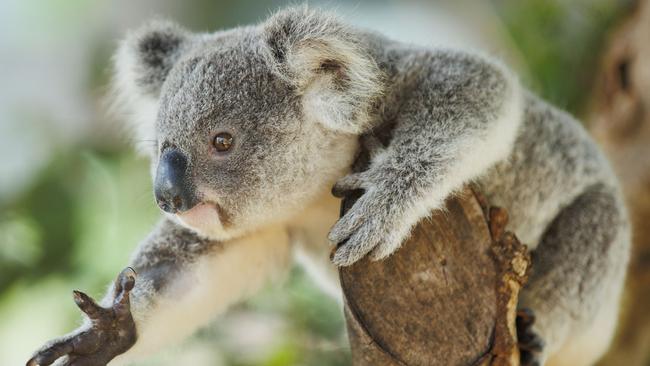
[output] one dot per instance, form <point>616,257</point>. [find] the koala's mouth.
<point>205,215</point>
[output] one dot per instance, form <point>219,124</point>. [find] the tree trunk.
<point>447,297</point>
<point>620,120</point>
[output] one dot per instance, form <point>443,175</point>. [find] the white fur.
<point>588,346</point>
<point>308,234</point>
<point>138,108</point>
<point>480,153</point>
<point>318,37</point>
<point>207,288</point>
<point>322,101</point>
<point>477,155</point>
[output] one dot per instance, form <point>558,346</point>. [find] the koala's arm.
<point>182,282</point>
<point>458,115</point>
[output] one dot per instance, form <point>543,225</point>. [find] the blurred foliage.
<point>560,41</point>
<point>76,224</point>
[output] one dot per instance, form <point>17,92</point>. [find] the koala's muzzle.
<point>171,187</point>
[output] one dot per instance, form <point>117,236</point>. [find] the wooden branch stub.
<point>447,297</point>
<point>514,262</point>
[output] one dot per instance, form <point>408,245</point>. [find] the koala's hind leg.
<point>577,278</point>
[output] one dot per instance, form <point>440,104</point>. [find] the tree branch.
<point>447,297</point>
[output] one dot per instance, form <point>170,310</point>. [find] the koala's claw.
<point>374,225</point>
<point>371,226</point>
<point>353,219</point>
<point>111,331</point>
<point>369,239</point>
<point>530,344</point>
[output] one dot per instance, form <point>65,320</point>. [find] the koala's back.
<point>553,161</point>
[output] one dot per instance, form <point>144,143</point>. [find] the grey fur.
<point>296,92</point>
<point>446,99</point>
<point>169,249</point>
<point>156,47</point>
<point>565,204</point>
<point>167,252</point>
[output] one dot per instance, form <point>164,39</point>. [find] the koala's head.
<point>248,125</point>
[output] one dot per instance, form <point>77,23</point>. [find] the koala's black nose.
<point>172,192</point>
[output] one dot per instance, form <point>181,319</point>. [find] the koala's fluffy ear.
<point>327,63</point>
<point>141,65</point>
<point>146,56</point>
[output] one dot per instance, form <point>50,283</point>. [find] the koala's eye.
<point>222,141</point>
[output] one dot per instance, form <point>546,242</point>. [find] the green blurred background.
<point>75,199</point>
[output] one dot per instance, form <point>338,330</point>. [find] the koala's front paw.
<point>111,330</point>
<point>375,224</point>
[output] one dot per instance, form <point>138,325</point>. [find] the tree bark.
<point>620,120</point>
<point>447,297</point>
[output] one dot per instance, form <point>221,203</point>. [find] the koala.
<point>249,129</point>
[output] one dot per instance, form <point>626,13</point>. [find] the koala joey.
<point>250,128</point>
